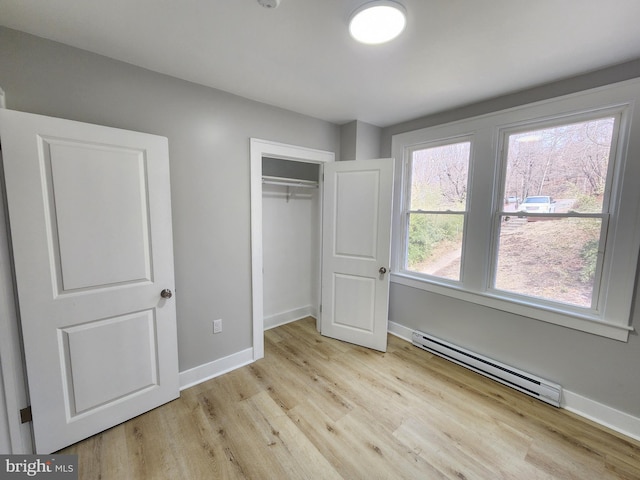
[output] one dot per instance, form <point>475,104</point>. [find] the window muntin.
<point>436,209</point>
<point>552,228</point>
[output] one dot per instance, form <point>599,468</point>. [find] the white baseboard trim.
<point>400,331</point>
<point>597,412</point>
<point>604,415</point>
<point>289,316</point>
<point>202,373</point>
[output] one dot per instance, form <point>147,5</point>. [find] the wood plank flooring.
<point>316,408</point>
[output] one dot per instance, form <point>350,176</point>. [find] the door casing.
<point>12,368</point>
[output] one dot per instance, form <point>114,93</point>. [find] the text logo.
<point>51,467</point>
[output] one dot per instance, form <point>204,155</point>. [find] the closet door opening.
<point>286,233</point>
<point>290,240</point>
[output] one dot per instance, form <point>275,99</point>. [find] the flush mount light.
<point>269,3</point>
<point>377,22</point>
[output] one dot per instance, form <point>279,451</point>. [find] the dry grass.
<point>537,258</point>
<point>544,259</point>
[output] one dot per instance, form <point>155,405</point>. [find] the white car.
<point>538,204</point>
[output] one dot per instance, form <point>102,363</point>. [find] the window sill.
<point>571,320</point>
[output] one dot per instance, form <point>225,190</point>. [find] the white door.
<point>90,221</point>
<point>356,251</point>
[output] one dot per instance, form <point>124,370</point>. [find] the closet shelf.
<point>289,182</point>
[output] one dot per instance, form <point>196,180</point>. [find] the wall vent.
<point>536,387</point>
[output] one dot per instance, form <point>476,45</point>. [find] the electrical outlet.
<point>217,326</point>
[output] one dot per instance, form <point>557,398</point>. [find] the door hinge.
<point>25,415</point>
<point>320,308</point>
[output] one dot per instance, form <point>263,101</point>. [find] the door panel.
<point>90,221</point>
<point>97,374</point>
<point>356,244</point>
<point>356,232</point>
<point>84,226</point>
<point>354,302</point>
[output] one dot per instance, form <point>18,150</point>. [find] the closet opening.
<point>286,234</point>
<point>291,236</point>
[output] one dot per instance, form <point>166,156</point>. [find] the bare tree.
<point>440,176</point>
<point>565,160</point>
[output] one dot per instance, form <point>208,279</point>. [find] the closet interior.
<point>290,240</point>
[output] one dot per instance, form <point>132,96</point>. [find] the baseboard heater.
<point>539,388</point>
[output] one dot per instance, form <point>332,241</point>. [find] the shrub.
<point>589,254</point>
<point>427,231</point>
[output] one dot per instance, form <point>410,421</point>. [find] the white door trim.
<point>265,148</point>
<point>12,374</point>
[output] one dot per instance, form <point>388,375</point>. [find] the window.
<point>437,208</point>
<point>552,230</point>
<point>534,210</point>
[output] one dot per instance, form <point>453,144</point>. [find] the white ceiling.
<point>300,56</point>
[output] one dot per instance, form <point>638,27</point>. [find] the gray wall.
<point>600,369</point>
<point>368,141</point>
<point>208,133</point>
<point>359,141</point>
<point>348,140</point>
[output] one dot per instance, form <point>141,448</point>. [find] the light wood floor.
<point>316,408</point>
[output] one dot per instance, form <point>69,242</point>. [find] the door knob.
<point>382,270</point>
<point>166,293</point>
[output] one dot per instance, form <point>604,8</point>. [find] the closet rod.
<point>289,182</point>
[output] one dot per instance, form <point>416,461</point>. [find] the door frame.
<point>12,369</point>
<point>259,149</point>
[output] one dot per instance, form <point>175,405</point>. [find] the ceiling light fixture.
<point>377,22</point>
<point>269,3</point>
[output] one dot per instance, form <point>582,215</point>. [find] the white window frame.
<point>407,199</point>
<point>612,317</point>
<point>605,215</point>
